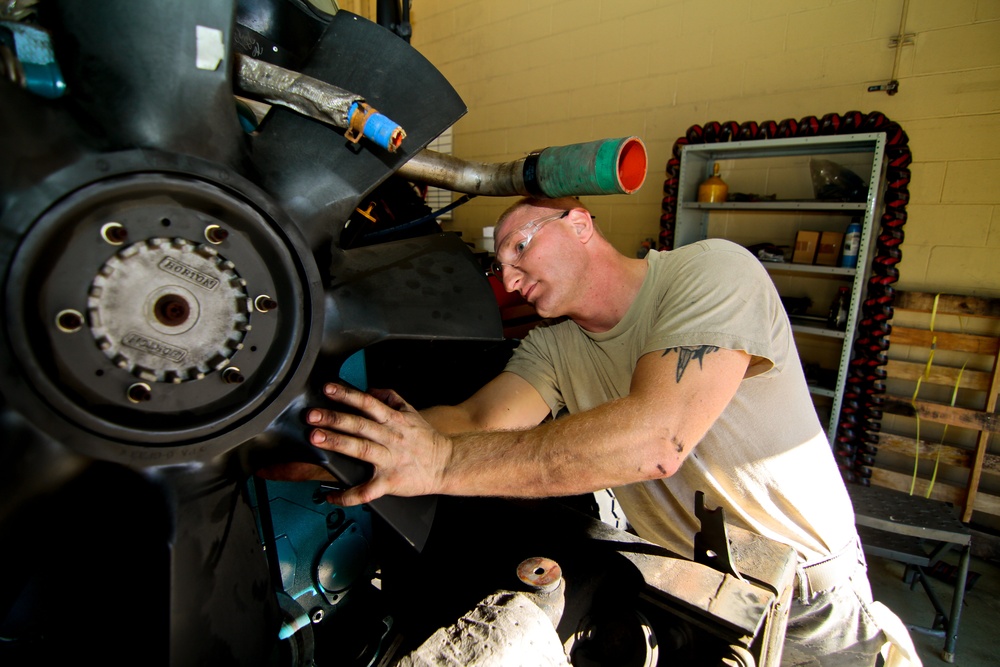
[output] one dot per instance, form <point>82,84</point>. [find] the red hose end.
<point>632,165</point>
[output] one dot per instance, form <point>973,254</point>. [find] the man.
<point>679,373</point>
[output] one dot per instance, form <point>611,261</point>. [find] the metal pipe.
<point>603,167</point>
<point>475,178</point>
<point>317,99</point>
<point>900,39</point>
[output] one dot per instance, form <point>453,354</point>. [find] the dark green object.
<point>603,167</point>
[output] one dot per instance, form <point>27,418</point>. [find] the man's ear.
<point>582,224</point>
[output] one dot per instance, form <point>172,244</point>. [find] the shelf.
<point>782,205</point>
<point>788,267</point>
<point>780,167</point>
<point>816,390</point>
<point>825,145</point>
<point>808,326</point>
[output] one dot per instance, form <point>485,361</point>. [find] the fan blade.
<point>38,138</point>
<point>287,441</point>
<point>426,287</point>
<point>179,544</point>
<point>150,75</point>
<point>31,464</point>
<point>317,174</point>
<point>221,595</point>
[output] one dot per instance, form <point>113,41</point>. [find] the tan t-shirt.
<point>766,459</point>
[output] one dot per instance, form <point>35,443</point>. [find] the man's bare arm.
<point>505,403</point>
<point>645,435</point>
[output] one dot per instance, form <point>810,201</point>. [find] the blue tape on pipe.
<point>378,128</point>
<point>382,131</point>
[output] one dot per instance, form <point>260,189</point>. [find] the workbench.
<point>901,527</point>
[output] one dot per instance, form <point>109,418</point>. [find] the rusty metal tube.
<point>475,178</point>
<point>604,167</point>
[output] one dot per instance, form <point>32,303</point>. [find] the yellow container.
<point>714,190</point>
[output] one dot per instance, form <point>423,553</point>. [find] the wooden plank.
<point>950,455</point>
<point>986,421</point>
<point>977,420</point>
<point>975,476</point>
<point>948,304</point>
<point>985,503</point>
<point>981,445</point>
<point>956,342</point>
<point>943,375</point>
<point>890,479</point>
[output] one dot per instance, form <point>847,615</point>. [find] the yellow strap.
<point>916,390</point>
<point>916,457</point>
<point>916,446</point>
<point>934,309</point>
<point>930,359</point>
<point>913,401</point>
<point>937,460</point>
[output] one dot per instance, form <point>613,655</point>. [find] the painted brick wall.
<point>551,72</point>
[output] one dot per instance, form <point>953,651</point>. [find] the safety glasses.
<point>511,248</point>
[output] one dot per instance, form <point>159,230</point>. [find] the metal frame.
<point>692,221</point>
<point>892,516</point>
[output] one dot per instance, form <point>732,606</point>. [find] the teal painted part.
<point>308,532</point>
<point>321,549</point>
<point>33,49</point>
<point>32,44</point>
<point>345,559</point>
<point>248,120</point>
<point>44,80</point>
<point>355,371</point>
<point>289,629</point>
<point>581,169</point>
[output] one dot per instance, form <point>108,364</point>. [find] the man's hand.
<point>408,455</point>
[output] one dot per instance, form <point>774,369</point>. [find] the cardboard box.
<point>806,243</point>
<point>828,251</point>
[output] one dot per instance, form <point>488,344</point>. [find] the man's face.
<point>511,248</point>
<point>530,253</point>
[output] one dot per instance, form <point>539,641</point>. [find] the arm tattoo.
<point>687,353</point>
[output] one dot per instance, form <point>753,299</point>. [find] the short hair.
<point>555,203</point>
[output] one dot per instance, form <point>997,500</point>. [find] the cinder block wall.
<point>551,72</point>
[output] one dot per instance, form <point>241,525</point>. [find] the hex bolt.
<point>139,392</point>
<point>216,234</point>
<point>114,233</point>
<point>69,321</point>
<point>232,375</point>
<point>264,303</point>
<point>335,518</point>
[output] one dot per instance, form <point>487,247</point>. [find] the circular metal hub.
<point>168,310</point>
<point>133,316</point>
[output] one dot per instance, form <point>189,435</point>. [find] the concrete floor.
<point>978,643</point>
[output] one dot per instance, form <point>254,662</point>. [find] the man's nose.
<point>511,278</point>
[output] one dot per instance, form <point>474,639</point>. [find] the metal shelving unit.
<point>693,219</point>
